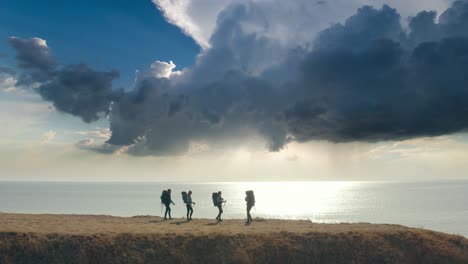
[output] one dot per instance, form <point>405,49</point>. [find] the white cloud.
<point>103,134</point>
<point>39,42</point>
<point>293,22</point>
<point>35,41</point>
<point>158,69</point>
<point>195,18</point>
<point>7,82</point>
<point>48,136</point>
<point>414,148</point>
<point>90,144</point>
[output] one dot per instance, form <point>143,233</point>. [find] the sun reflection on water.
<point>289,199</point>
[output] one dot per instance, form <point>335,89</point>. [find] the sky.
<point>233,90</point>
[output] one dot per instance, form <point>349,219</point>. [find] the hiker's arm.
<point>172,202</point>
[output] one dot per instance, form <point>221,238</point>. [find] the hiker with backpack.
<point>187,198</point>
<point>218,202</point>
<point>167,200</point>
<point>250,199</point>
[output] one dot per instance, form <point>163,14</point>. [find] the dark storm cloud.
<point>452,23</point>
<point>80,91</point>
<point>367,79</point>
<point>73,89</point>
<point>34,56</point>
<point>367,25</point>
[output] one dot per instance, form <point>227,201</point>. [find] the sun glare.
<point>285,199</point>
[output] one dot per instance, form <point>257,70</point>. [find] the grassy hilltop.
<point>107,239</point>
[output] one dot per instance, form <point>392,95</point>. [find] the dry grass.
<point>106,239</point>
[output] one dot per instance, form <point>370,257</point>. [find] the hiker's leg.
<point>189,211</point>
<point>220,211</point>
<point>169,210</point>
<point>165,213</point>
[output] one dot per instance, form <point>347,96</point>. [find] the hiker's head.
<point>190,192</point>
<point>219,192</point>
<point>169,190</point>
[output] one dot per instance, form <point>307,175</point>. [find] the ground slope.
<point>107,239</point>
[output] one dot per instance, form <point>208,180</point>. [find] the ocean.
<point>435,205</point>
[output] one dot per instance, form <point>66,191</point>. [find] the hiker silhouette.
<point>187,198</point>
<point>250,199</point>
<point>218,202</point>
<point>167,200</point>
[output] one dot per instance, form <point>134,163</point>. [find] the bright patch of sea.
<point>437,205</point>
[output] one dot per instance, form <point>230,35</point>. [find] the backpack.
<point>250,199</point>
<point>165,197</point>
<point>214,196</point>
<point>185,197</point>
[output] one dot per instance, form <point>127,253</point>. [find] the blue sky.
<point>123,35</point>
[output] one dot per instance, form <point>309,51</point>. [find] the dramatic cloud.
<point>80,91</point>
<point>73,89</point>
<point>369,81</point>
<point>291,22</point>
<point>34,55</point>
<point>369,78</point>
<point>178,13</point>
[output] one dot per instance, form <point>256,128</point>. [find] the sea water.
<point>440,205</point>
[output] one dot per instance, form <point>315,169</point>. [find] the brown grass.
<point>106,239</point>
